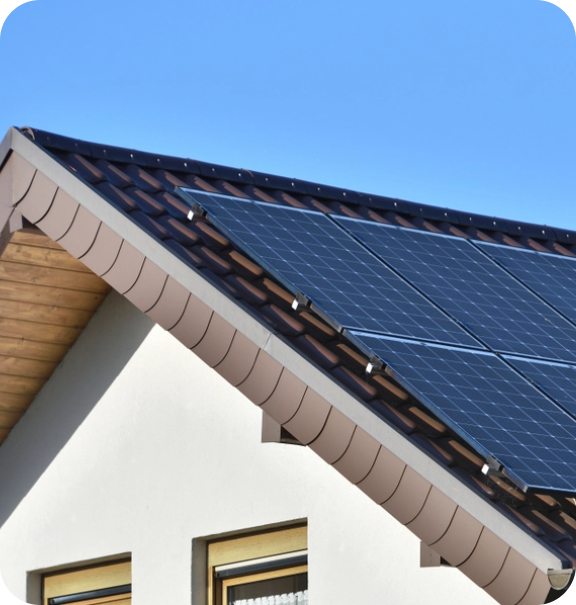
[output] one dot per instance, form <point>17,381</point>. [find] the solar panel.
<point>557,380</point>
<point>469,286</point>
<point>311,255</point>
<point>490,406</point>
<point>551,276</point>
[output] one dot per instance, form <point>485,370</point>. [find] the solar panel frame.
<point>344,262</point>
<point>477,292</point>
<point>489,405</point>
<point>536,270</point>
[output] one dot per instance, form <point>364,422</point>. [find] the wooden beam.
<point>48,314</point>
<point>34,239</point>
<point>49,295</point>
<point>32,349</point>
<point>49,276</point>
<point>14,402</point>
<point>42,257</point>
<point>20,385</point>
<point>33,368</point>
<point>39,332</point>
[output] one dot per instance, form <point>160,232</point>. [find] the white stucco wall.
<point>135,446</point>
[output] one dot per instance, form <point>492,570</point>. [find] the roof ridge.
<point>296,186</point>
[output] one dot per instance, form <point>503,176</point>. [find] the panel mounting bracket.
<point>196,213</point>
<point>375,366</point>
<point>492,467</point>
<point>300,302</point>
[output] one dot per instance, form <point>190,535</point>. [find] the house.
<point>132,467</point>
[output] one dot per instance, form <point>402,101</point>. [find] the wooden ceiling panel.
<point>46,299</point>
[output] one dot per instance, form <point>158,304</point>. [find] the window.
<point>268,568</point>
<point>94,585</point>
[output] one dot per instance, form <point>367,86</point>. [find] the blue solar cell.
<point>489,405</point>
<point>313,256</point>
<point>473,289</point>
<point>557,380</point>
<point>550,276</point>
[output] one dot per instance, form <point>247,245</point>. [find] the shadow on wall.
<point>107,344</point>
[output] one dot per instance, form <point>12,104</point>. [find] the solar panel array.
<point>425,304</point>
<point>491,406</point>
<point>311,255</point>
<point>469,286</point>
<point>550,276</point>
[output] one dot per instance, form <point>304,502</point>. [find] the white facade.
<point>136,446</point>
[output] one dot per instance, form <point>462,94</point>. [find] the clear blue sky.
<point>468,104</point>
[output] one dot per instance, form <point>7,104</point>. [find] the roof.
<point>116,210</point>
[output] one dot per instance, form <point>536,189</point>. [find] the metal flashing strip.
<point>91,594</point>
<point>531,547</point>
<point>241,568</point>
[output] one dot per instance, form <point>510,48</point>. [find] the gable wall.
<point>136,446</point>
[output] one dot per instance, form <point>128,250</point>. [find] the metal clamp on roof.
<point>300,302</point>
<point>375,366</point>
<point>492,467</point>
<point>196,213</point>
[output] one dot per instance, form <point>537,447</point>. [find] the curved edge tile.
<point>193,324</point>
<point>216,342</point>
<point>145,293</point>
<point>460,539</point>
<point>104,251</point>
<point>15,179</point>
<point>359,458</point>
<point>60,217</point>
<point>262,380</point>
<point>169,308</point>
<point>286,398</point>
<point>37,201</point>
<point>384,477</point>
<point>513,581</point>
<point>82,234</point>
<point>434,518</point>
<point>239,360</point>
<point>486,560</point>
<point>409,498</point>
<point>538,592</point>
<point>125,271</point>
<point>309,418</point>
<point>334,438</point>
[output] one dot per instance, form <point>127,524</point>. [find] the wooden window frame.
<point>87,581</point>
<point>271,547</point>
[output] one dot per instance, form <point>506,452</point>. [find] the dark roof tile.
<point>318,352</point>
<point>117,197</point>
<point>142,179</point>
<point>248,291</point>
<point>173,205</point>
<point>85,169</point>
<point>213,260</point>
<point>184,253</point>
<point>116,176</point>
<point>179,231</point>
<point>145,202</point>
<point>152,226</point>
<point>283,322</point>
<point>244,265</point>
